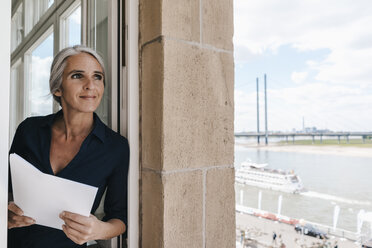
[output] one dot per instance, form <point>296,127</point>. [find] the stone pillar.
<point>187,116</point>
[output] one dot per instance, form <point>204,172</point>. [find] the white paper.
<point>43,197</point>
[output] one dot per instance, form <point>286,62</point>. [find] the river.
<point>330,180</point>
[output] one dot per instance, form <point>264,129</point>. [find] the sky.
<point>318,59</point>
<point>41,100</point>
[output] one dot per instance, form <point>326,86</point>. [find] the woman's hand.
<point>81,229</point>
<point>16,218</point>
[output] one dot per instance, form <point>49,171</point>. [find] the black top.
<point>102,161</point>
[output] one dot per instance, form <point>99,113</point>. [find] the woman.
<point>74,144</point>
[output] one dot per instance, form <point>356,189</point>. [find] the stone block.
<point>220,208</point>
<point>181,19</point>
<point>149,20</point>
<point>152,208</point>
<point>152,105</point>
<point>218,23</point>
<point>198,118</point>
<point>183,209</point>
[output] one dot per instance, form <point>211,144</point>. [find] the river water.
<point>330,180</point>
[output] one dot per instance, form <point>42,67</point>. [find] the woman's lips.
<point>88,97</point>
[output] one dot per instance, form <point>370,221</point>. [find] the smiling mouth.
<point>88,97</point>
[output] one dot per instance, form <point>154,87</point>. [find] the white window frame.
<point>36,9</point>
<point>129,100</point>
<point>18,65</point>
<point>17,28</point>
<point>5,20</point>
<point>132,99</point>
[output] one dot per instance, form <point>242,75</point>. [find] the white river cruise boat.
<point>257,175</point>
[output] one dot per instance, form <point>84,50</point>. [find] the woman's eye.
<point>76,76</point>
<point>98,77</point>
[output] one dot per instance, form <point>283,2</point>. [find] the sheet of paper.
<point>43,197</point>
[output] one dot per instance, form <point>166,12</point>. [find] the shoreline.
<point>309,149</point>
<point>260,231</point>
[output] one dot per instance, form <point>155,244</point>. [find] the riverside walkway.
<point>259,233</point>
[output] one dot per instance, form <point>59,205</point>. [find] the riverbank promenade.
<point>259,233</point>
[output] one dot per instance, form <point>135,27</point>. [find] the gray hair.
<point>60,62</point>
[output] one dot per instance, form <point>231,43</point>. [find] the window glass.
<point>74,27</point>
<point>50,2</point>
<point>40,101</point>
<point>70,28</point>
<point>97,39</point>
<point>17,28</point>
<point>35,10</point>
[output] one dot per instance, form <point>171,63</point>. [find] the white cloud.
<point>342,26</point>
<point>299,77</point>
<point>76,16</point>
<point>330,92</point>
<point>41,100</point>
<point>243,53</point>
<point>40,71</point>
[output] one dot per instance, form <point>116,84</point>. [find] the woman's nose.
<point>89,84</point>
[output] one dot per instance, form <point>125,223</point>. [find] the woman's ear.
<point>58,93</point>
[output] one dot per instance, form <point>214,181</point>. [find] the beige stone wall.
<point>187,117</point>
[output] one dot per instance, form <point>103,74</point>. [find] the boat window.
<point>294,179</point>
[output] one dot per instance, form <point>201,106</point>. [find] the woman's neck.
<point>74,125</point>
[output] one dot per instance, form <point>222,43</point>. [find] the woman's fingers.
<point>74,235</point>
<point>75,217</point>
<point>15,209</point>
<point>74,225</point>
<point>18,221</point>
<point>16,218</point>
<point>80,228</point>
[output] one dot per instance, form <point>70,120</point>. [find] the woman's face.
<point>82,84</point>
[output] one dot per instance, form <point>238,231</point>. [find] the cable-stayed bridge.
<point>314,135</point>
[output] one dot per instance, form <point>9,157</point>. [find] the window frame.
<point>19,66</point>
<point>129,33</point>
<point>5,20</point>
<point>14,35</point>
